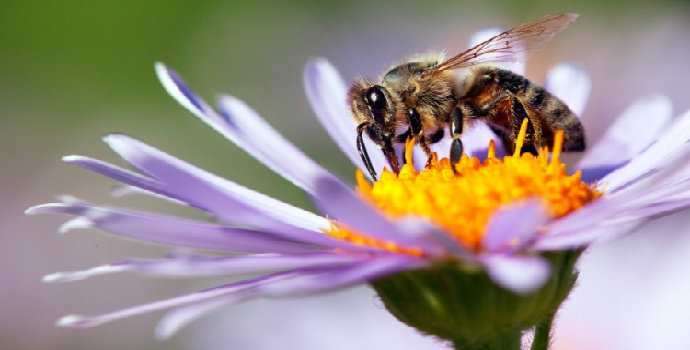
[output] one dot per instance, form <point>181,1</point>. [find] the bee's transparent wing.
<point>507,46</point>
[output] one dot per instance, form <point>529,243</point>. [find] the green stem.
<point>542,333</point>
<point>506,341</point>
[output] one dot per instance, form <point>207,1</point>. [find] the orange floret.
<point>462,202</point>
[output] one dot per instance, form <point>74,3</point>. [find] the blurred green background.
<point>72,71</point>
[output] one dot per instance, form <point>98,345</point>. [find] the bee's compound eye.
<point>375,98</point>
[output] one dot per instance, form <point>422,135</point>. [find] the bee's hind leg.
<point>519,114</point>
<point>509,134</point>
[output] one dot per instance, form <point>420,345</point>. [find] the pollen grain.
<point>462,202</point>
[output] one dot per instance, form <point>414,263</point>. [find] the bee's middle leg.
<point>456,126</point>
<point>465,110</point>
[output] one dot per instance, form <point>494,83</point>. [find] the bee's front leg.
<point>417,132</point>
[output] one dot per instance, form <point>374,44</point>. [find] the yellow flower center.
<point>462,202</point>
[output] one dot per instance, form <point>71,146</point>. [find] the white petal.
<point>521,274</point>
<point>571,84</point>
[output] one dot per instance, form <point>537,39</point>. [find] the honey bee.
<point>423,96</point>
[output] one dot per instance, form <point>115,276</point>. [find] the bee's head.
<point>374,111</point>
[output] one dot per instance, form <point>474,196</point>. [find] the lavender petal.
<point>578,238</point>
<point>127,190</point>
<point>345,206</point>
<point>234,202</point>
<point>178,89</point>
<point>128,177</point>
<point>422,229</point>
<point>213,266</point>
<point>513,227</point>
<point>235,125</point>
<point>638,126</point>
<point>604,211</point>
<point>476,141</point>
<point>262,141</point>
<point>667,149</point>
<point>279,284</point>
<point>188,233</point>
<point>178,318</point>
<point>217,204</point>
<point>299,283</point>
<point>615,215</point>
<point>327,94</point>
<point>310,283</point>
<point>238,289</point>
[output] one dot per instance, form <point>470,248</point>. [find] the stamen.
<point>463,202</point>
<point>362,184</point>
<point>557,145</point>
<point>491,153</point>
<point>408,150</point>
<point>520,138</point>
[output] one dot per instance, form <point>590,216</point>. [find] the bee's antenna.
<point>363,152</point>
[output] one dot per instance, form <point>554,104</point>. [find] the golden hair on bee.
<point>424,96</point>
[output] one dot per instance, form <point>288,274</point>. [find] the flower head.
<point>512,226</point>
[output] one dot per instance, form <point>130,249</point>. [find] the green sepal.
<point>463,305</point>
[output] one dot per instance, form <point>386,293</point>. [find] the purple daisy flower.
<point>288,248</point>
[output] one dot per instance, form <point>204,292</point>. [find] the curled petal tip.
<point>53,277</point>
<point>115,138</point>
<point>35,210</point>
<point>159,65</point>
<point>122,191</point>
<point>178,89</point>
<point>80,222</point>
<point>72,321</point>
<point>70,200</point>
<point>46,208</point>
<point>73,158</point>
<point>162,71</point>
<point>84,274</point>
<point>318,63</point>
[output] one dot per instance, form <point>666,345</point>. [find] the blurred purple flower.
<point>642,173</point>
